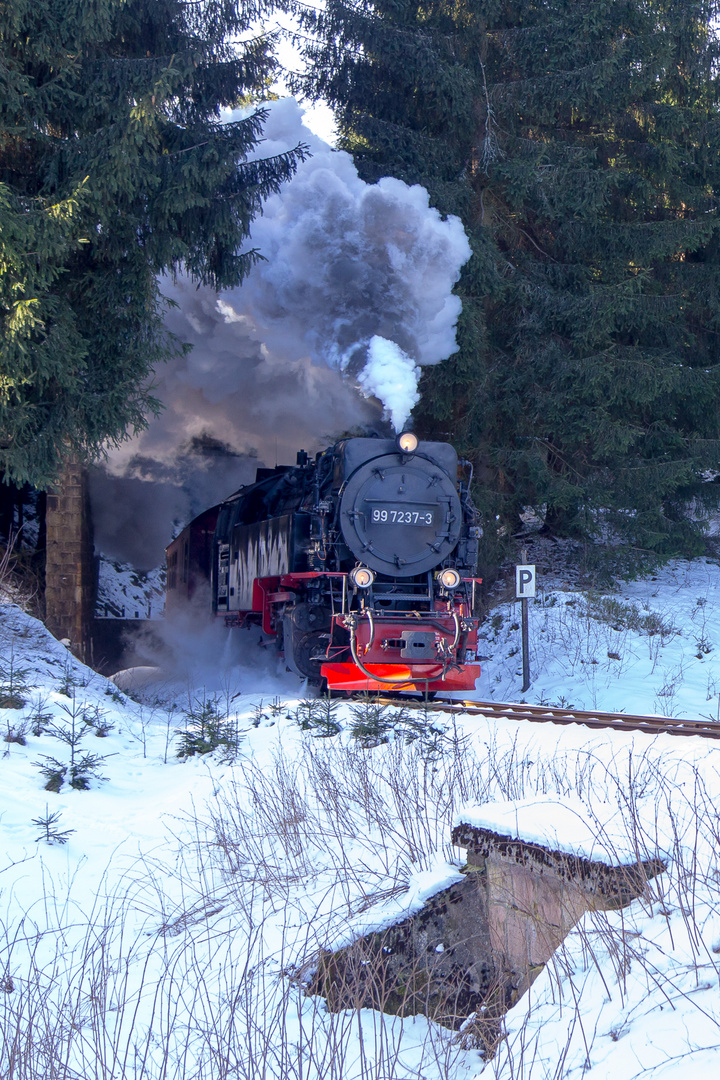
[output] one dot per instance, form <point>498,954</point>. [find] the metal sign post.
<point>524,589</point>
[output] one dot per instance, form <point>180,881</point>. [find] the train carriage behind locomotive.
<point>359,563</point>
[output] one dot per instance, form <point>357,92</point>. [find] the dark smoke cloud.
<point>355,292</point>
<point>135,515</point>
<point>132,519</point>
<point>358,276</point>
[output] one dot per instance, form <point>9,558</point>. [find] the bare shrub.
<point>200,963</point>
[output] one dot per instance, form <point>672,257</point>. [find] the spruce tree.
<point>114,168</point>
<point>579,143</point>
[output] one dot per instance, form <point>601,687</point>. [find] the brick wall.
<point>69,576</point>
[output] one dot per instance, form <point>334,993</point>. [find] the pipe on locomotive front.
<point>396,679</point>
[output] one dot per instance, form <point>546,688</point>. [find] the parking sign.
<point>524,582</point>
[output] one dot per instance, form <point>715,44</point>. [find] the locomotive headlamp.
<point>407,443</point>
<point>449,578</point>
<point>362,577</point>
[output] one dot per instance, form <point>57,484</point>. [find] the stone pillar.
<point>69,576</point>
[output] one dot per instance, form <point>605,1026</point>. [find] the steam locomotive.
<point>360,564</point>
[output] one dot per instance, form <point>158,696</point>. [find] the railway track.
<point>542,714</point>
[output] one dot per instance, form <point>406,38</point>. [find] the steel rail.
<point>545,714</point>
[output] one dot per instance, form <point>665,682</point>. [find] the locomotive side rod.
<point>540,714</point>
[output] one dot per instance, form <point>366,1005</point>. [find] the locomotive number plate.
<point>389,515</point>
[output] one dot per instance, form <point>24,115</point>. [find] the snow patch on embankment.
<point>196,890</point>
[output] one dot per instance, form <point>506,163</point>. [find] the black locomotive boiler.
<point>359,563</point>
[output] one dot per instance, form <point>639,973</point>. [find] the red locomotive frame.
<point>374,662</point>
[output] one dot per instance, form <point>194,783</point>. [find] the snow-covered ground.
<point>650,647</point>
<point>126,593</point>
<point>172,933</point>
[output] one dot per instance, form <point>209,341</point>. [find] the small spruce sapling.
<point>258,714</point>
<point>54,772</point>
<point>13,683</point>
<point>319,716</point>
<point>69,681</point>
<point>422,728</point>
<point>304,715</point>
<point>97,721</point>
<point>15,733</point>
<point>372,723</point>
<point>115,696</point>
<point>81,769</point>
<point>326,723</point>
<point>85,769</point>
<point>40,718</point>
<point>50,833</point>
<point>208,729</point>
<point>72,734</point>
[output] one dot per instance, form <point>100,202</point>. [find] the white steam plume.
<point>392,376</point>
<point>353,296</point>
<point>349,263</point>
